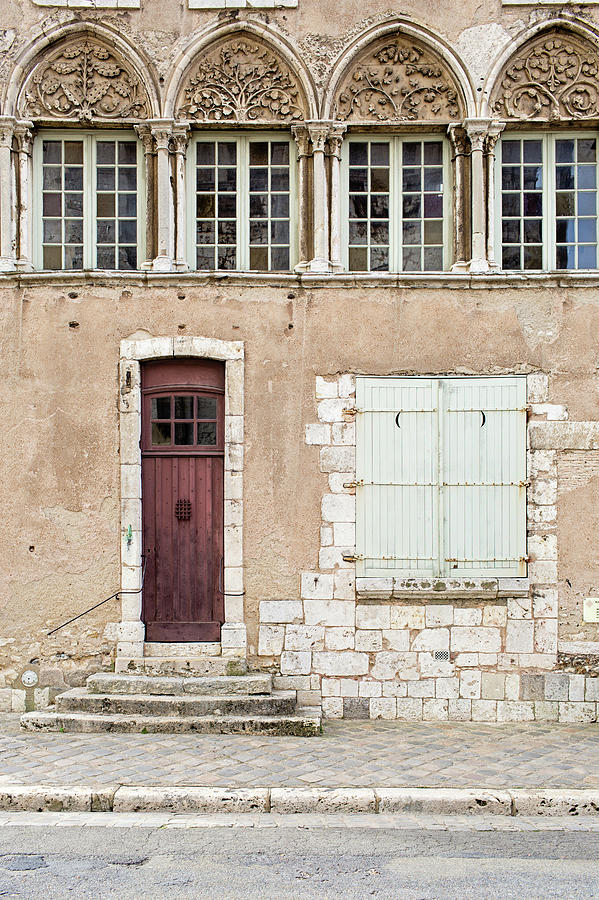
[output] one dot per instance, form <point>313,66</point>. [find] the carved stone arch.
<point>398,73</point>
<point>241,75</point>
<point>83,73</point>
<point>551,77</point>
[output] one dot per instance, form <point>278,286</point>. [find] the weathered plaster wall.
<point>60,481</point>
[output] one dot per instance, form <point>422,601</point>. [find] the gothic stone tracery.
<point>553,77</point>
<point>242,81</point>
<point>398,80</point>
<point>84,80</point>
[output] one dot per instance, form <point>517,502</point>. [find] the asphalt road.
<point>37,861</point>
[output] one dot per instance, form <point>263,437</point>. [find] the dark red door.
<point>182,476</point>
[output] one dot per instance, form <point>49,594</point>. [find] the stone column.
<point>7,250</point>
<point>319,132</point>
<point>495,129</point>
<point>477,131</point>
<point>24,136</point>
<point>181,134</point>
<point>302,139</point>
<point>335,143</point>
<point>144,133</point>
<point>459,149</point>
<point>165,250</point>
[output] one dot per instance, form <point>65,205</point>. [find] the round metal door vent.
<point>183,508</point>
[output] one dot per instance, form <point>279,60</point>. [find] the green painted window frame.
<point>89,139</point>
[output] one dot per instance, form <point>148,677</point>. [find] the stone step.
<point>193,666</point>
<point>79,700</point>
<point>154,648</point>
<point>87,723</point>
<point>244,685</point>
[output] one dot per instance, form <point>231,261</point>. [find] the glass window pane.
<point>258,153</point>
<point>205,258</point>
<point>105,231</point>
<point>510,231</point>
<point>379,179</point>
<point>379,154</point>
<point>358,206</point>
<point>433,259</point>
<point>52,178</point>
<point>279,232</point>
<point>358,232</point>
<point>105,256</point>
<point>411,153</point>
<point>52,152</point>
<point>127,179</point>
<point>565,231</point>
<point>227,232</point>
<point>510,257</point>
<point>161,407</point>
<point>127,258</point>
<point>565,257</point>
<point>379,233</point>
<point>279,206</point>
<point>533,151</point>
<point>279,259</point>
<point>227,179</point>
<point>105,153</point>
<point>358,154</point>
<point>564,178</point>
<point>411,259</point>
<point>587,150</point>
<point>73,257</point>
<point>206,408</point>
<point>433,206</point>
<point>52,257</point>
<point>205,206</point>
<point>127,153</point>
<point>587,231</point>
<point>433,231</point>
<point>127,232</point>
<point>411,233</point>
<point>510,151</point>
<point>433,153</point>
<point>205,155</point>
<point>433,179</point>
<point>358,259</point>
<point>587,257</point>
<point>279,153</point>
<point>379,259</point>
<point>510,178</point>
<point>205,179</point>
<point>533,231</point>
<point>564,151</point>
<point>227,205</point>
<point>532,178</point>
<point>358,179</point>
<point>52,231</point>
<point>205,232</point>
<point>587,177</point>
<point>105,205</point>
<point>279,179</point>
<point>259,231</point>
<point>161,434</point>
<point>73,204</point>
<point>52,204</point>
<point>227,153</point>
<point>587,204</point>
<point>184,433</point>
<point>105,179</point>
<point>258,206</point>
<point>73,231</point>
<point>73,152</point>
<point>565,204</point>
<point>258,179</point>
<point>207,433</point>
<point>533,257</point>
<point>510,204</point>
<point>379,206</point>
<point>127,205</point>
<point>533,204</point>
<point>259,258</point>
<point>411,206</point>
<point>411,180</point>
<point>226,258</point>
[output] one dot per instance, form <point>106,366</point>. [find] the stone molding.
<point>553,77</point>
<point>133,351</point>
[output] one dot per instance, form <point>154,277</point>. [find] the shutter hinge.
<point>524,484</point>
<point>351,412</point>
<point>351,557</point>
<point>352,485</point>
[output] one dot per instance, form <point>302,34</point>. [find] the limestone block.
<point>338,508</point>
<point>486,659</point>
<point>349,687</point>
<point>467,616</point>
<point>342,662</point>
<point>291,682</point>
<point>372,616</point>
<point>326,535</point>
<point>383,708</point>
<point>577,712</point>
<point>131,631</point>
<point>234,429</point>
<point>337,482</point>
<point>536,387</point>
<point>519,608</point>
<point>344,433</point>
<point>344,534</point>
<point>492,686</point>
<point>470,685</point>
<point>435,710</point>
<point>309,698</point>
<point>296,662</point>
<point>553,412</point>
<point>546,710</point>
<point>339,638</point>
<point>484,710</point>
<point>542,516</point>
<point>474,639</point>
<point>325,389</point>
<point>332,707</point>
<point>318,434</point>
<point>512,686</point>
<point>354,708</point>
<point>344,584</point>
<point>381,588</point>
<point>543,492</point>
<point>409,709</point>
<point>544,603</point>
<point>369,641</point>
<point>515,711</point>
<point>466,660</point>
<point>557,686</point>
<point>234,608</point>
<point>281,611</point>
<point>332,409</point>
<point>5,699</point>
<point>395,688</point>
<point>532,686</point>
<point>233,512</point>
<point>542,546</point>
<point>234,457</point>
<point>543,571</point>
<point>519,636</point>
<point>460,710</point>
<point>304,637</point>
<point>546,635</point>
<point>541,463</point>
<point>447,687</point>
<point>396,639</point>
<point>407,617</point>
<point>592,689</point>
<point>234,545</point>
<point>431,639</point>
<point>332,558</point>
<point>435,668</point>
<point>17,703</point>
<point>370,689</point>
<point>131,481</point>
<point>338,459</point>
<point>347,385</point>
<point>329,612</point>
<point>270,640</point>
<point>438,614</point>
<point>391,664</point>
<point>234,377</point>
<point>233,635</point>
<point>576,687</point>
<point>495,616</point>
<point>315,586</point>
<point>424,688</point>
<point>233,485</point>
<point>330,687</point>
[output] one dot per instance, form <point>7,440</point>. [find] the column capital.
<point>495,129</point>
<point>335,139</point>
<point>180,137</point>
<point>144,133</point>
<point>301,136</point>
<point>319,132</point>
<point>23,132</point>
<point>161,130</point>
<point>458,138</point>
<point>477,130</point>
<point>7,130</point>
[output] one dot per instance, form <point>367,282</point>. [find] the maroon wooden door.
<point>182,476</point>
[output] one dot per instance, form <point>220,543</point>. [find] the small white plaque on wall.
<point>590,609</point>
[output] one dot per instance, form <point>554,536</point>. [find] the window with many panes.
<point>547,201</point>
<point>395,204</point>
<point>86,201</point>
<point>243,198</point>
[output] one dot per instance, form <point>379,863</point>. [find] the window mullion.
<point>395,201</point>
<point>439,419</point>
<point>243,204</point>
<point>549,253</point>
<point>89,202</point>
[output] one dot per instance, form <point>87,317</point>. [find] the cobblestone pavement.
<point>349,753</point>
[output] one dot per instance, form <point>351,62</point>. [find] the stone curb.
<point>209,800</point>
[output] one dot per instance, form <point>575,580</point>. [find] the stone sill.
<point>441,590</point>
<point>448,280</point>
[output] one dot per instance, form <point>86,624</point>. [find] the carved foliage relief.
<point>242,81</point>
<point>399,80</point>
<point>553,77</point>
<point>84,80</point>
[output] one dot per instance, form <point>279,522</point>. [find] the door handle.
<point>220,575</point>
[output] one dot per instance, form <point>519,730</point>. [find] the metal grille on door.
<point>183,508</point>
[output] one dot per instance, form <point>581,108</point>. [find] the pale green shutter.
<point>483,498</point>
<point>397,475</point>
<point>441,471</point>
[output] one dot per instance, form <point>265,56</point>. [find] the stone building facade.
<point>330,201</point>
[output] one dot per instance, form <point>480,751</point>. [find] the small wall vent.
<point>441,655</point>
